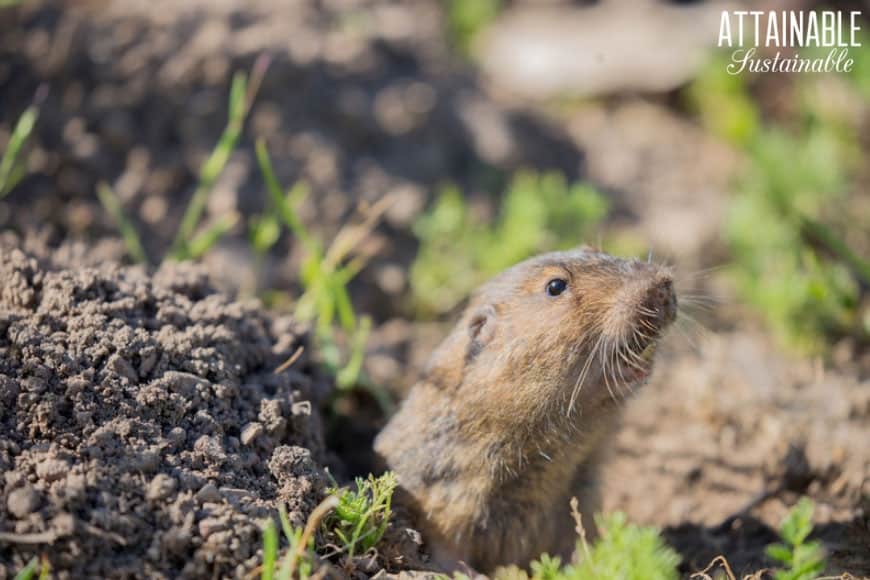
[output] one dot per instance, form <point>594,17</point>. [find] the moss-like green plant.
<point>457,251</point>
<point>624,551</point>
<point>362,515</point>
<point>802,560</point>
<point>628,551</point>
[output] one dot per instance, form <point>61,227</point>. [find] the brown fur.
<point>500,433</point>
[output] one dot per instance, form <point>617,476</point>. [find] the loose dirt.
<point>143,431</point>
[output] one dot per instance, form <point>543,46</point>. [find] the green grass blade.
<point>203,242</point>
<point>286,527</point>
<point>11,169</point>
<point>343,305</point>
<point>237,96</point>
<point>282,204</point>
<point>270,550</point>
<point>211,169</point>
<point>264,232</point>
<point>45,570</point>
<point>347,377</point>
<point>285,571</point>
<point>112,205</point>
<point>28,571</point>
<point>241,97</point>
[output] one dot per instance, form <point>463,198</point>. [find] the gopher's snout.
<point>660,305</point>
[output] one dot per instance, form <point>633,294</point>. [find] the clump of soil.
<point>143,430</point>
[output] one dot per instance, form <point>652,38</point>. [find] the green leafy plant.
<point>625,551</point>
<point>13,166</point>
<point>802,560</point>
<point>188,244</point>
<point>458,251</point>
<point>362,515</point>
<point>325,274</point>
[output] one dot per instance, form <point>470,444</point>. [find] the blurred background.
<point>366,163</point>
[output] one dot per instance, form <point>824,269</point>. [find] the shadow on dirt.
<point>743,543</point>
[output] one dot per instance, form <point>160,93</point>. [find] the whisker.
<point>702,273</point>
<point>618,367</point>
<point>689,318</point>
<point>607,376</point>
<point>693,339</point>
<point>584,372</point>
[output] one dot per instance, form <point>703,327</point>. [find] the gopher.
<point>516,407</point>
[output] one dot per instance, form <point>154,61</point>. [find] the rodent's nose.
<point>662,301</point>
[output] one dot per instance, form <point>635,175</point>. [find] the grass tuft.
<point>325,274</point>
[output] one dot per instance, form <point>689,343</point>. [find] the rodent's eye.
<point>556,286</point>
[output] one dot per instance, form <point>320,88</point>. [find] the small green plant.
<point>625,551</point>
<point>362,515</point>
<point>802,560</point>
<point>457,252</point>
<point>188,244</point>
<point>325,274</point>
<point>13,166</point>
<point>351,521</point>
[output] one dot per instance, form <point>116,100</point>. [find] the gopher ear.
<point>481,330</point>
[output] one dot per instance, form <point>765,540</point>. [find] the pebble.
<point>22,502</point>
<point>161,487</point>
<point>250,432</point>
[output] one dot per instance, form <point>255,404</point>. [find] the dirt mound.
<point>143,431</point>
